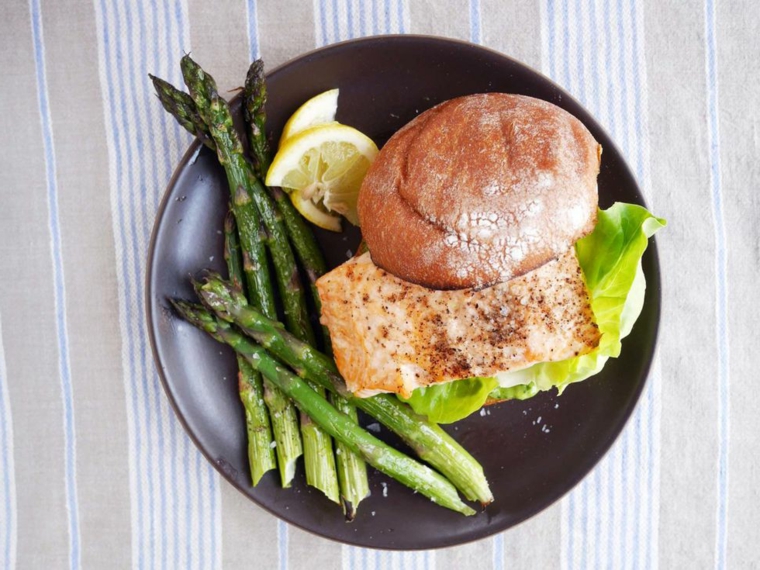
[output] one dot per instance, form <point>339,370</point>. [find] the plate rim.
<point>624,418</point>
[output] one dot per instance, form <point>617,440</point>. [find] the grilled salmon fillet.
<point>389,335</point>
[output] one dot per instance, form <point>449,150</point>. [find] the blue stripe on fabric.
<point>568,82</point>
<point>201,521</point>
<point>498,552</point>
<point>621,75</point>
<point>188,505</point>
<point>649,546</point>
<point>362,16</point>
<point>7,497</point>
<point>282,545</point>
<point>67,395</point>
<point>713,129</point>
<point>349,19</point>
<point>637,113</point>
<point>212,522</point>
<point>571,530</point>
<point>336,26</point>
<point>594,48</point>
<point>253,31</point>
<point>323,21</point>
<point>400,15</point>
<point>597,485</point>
<point>583,491</point>
<point>581,70</point>
<point>611,123</point>
<point>550,39</point>
<point>475,21</point>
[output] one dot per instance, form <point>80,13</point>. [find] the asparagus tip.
<point>256,68</point>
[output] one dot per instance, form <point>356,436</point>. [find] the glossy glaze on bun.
<point>478,190</point>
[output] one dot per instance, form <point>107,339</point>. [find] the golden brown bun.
<point>478,190</point>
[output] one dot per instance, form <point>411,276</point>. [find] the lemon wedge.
<point>324,165</point>
<point>318,110</point>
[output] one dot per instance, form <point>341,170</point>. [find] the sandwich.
<point>489,272</point>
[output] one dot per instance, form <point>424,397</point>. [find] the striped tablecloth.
<point>95,470</point>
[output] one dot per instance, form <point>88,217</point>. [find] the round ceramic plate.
<point>385,82</point>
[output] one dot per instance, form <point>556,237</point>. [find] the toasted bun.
<point>478,190</point>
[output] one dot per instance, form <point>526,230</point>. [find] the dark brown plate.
<point>384,82</point>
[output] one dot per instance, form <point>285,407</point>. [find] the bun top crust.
<point>478,190</point>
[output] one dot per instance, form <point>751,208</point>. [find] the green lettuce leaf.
<point>610,258</point>
<point>452,401</point>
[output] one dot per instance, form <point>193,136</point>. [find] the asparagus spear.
<point>318,451</point>
<point>261,456</point>
<point>378,454</point>
<point>352,471</point>
<point>429,441</point>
